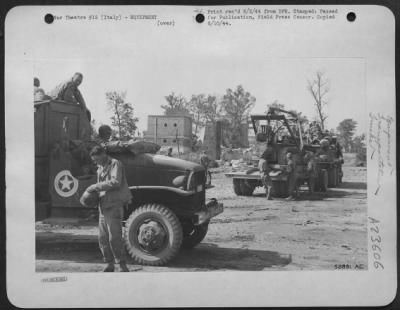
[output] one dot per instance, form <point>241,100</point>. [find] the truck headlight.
<point>180,181</point>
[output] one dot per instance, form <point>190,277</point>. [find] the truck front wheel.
<point>193,234</point>
<point>153,234</point>
<point>323,180</point>
<point>332,176</point>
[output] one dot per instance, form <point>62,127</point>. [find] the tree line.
<point>232,108</point>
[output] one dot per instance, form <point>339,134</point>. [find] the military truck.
<point>168,209</point>
<point>279,135</point>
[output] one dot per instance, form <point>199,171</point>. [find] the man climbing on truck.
<point>68,91</point>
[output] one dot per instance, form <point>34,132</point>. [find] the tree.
<point>204,109</point>
<point>237,105</point>
<point>122,120</point>
<point>195,106</point>
<point>211,109</point>
<point>319,88</point>
<point>176,105</point>
<point>345,131</point>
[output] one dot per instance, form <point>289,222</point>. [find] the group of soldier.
<point>311,174</point>
<point>329,149</point>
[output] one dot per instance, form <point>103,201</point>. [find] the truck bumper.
<point>210,210</point>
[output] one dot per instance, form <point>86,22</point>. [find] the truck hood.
<point>166,162</point>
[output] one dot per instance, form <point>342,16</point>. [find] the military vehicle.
<point>168,209</point>
<point>279,135</point>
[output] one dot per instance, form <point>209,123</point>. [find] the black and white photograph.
<point>240,155</point>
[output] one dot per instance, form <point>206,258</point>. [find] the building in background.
<point>170,131</point>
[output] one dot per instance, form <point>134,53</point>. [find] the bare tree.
<point>319,87</point>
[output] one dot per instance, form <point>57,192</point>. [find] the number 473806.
<point>376,242</point>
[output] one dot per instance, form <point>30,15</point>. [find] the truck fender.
<point>165,188</point>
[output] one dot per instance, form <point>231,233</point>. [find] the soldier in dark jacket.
<point>205,162</point>
<point>264,172</point>
<point>169,154</point>
<point>292,177</point>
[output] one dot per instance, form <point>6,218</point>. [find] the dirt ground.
<point>322,232</point>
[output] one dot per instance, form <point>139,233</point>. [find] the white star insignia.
<point>66,183</point>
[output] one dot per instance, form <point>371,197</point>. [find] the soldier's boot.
<point>109,268</point>
<point>268,194</point>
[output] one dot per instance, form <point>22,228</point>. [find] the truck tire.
<point>194,234</point>
<point>153,234</point>
<point>337,173</point>
<point>276,189</point>
<point>236,187</point>
<point>246,189</point>
<point>332,176</point>
<point>280,189</point>
<point>324,180</point>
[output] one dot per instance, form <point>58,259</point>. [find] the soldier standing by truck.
<point>311,170</point>
<point>264,172</point>
<point>292,178</point>
<point>114,193</point>
<point>205,162</point>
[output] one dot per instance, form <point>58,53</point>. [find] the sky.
<point>284,80</point>
<point>149,62</point>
